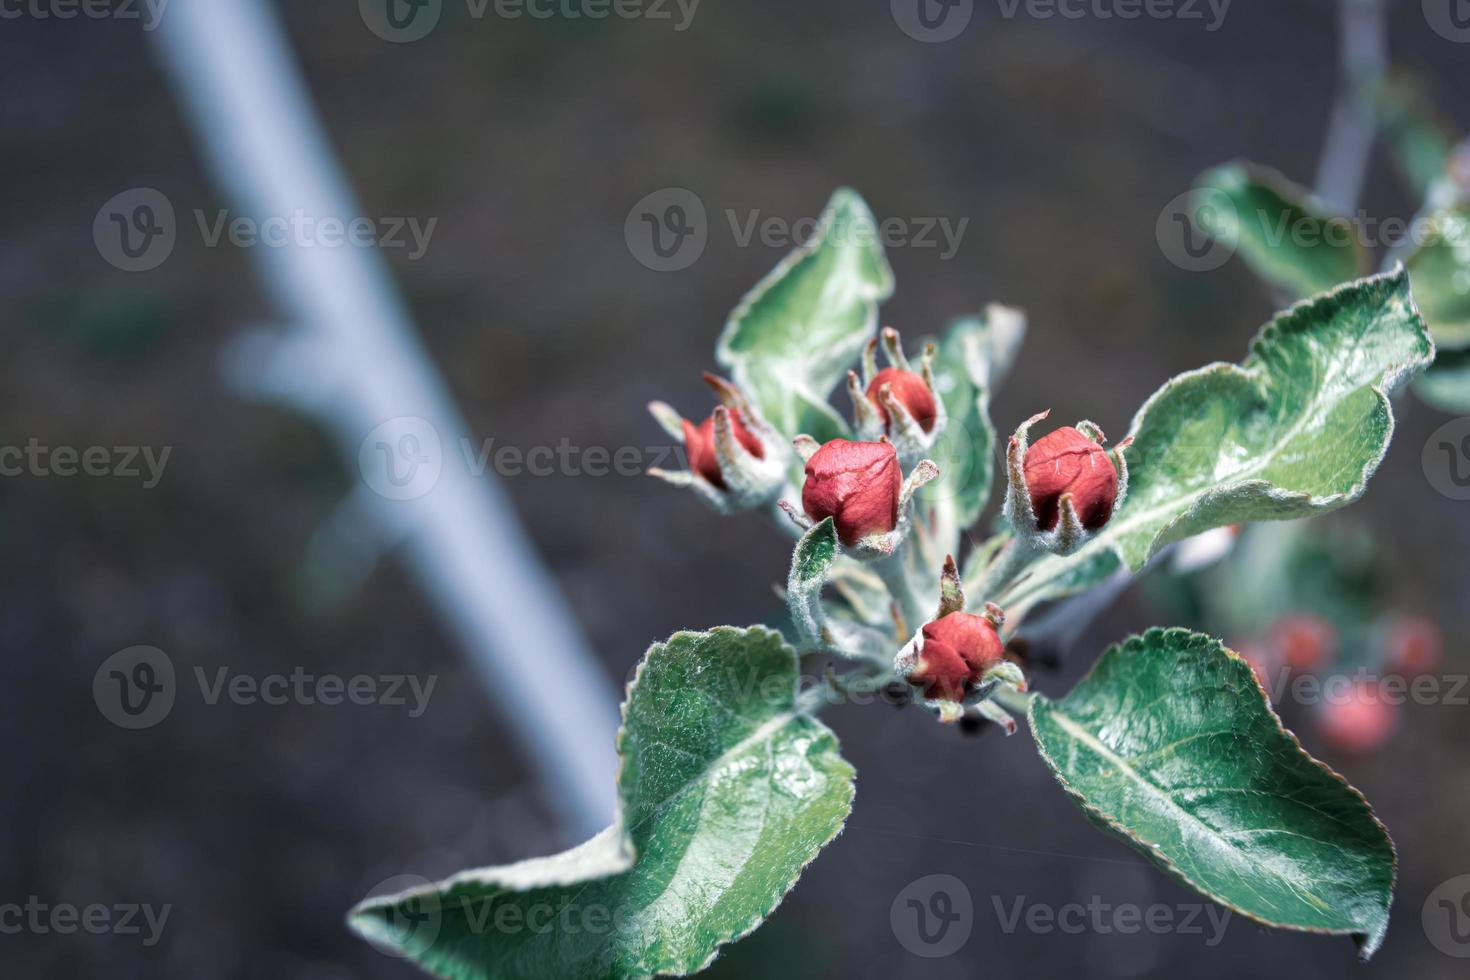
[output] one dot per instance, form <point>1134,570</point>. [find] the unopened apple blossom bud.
<point>857,484</point>
<point>1303,641</point>
<point>956,652</point>
<point>1415,645</point>
<point>737,461</point>
<point>1360,721</point>
<point>910,390</point>
<point>1062,489</point>
<point>1067,462</point>
<point>699,444</point>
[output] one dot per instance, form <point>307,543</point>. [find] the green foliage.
<point>1288,238</point>
<point>1169,743</point>
<point>795,335</point>
<point>1295,430</point>
<point>728,788</point>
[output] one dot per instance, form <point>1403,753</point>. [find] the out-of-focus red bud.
<point>1415,645</point>
<point>857,485</point>
<point>1303,641</point>
<point>957,651</point>
<point>1066,461</point>
<point>699,444</point>
<point>1361,722</point>
<point>912,393</point>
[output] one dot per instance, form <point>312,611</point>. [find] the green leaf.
<point>974,354</point>
<point>810,565</point>
<point>1285,235</point>
<point>1440,270</point>
<point>1446,385</point>
<point>1169,743</point>
<point>728,787</point>
<point>1295,430</point>
<point>795,335</point>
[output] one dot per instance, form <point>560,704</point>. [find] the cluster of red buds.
<point>860,485</point>
<point>1064,487</point>
<point>897,402</point>
<point>957,660</point>
<point>737,460</point>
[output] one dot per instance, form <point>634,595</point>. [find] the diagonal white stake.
<point>352,358</point>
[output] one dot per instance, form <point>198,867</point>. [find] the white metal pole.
<point>350,355</point>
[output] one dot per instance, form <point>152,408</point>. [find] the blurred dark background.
<point>1059,140</point>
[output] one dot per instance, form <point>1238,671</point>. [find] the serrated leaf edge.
<point>1371,941</point>
<point>734,361</point>
<point>626,856</point>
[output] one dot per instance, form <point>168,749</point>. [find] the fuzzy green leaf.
<point>795,335</point>
<point>728,789</point>
<point>1286,236</point>
<point>1170,744</point>
<point>810,565</point>
<point>1296,430</point>
<point>1440,270</point>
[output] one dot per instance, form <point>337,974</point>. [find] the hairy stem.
<point>894,572</point>
<point>1014,701</point>
<point>1002,571</point>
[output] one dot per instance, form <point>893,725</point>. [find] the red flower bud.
<point>910,391</point>
<point>699,444</point>
<point>958,649</point>
<point>1360,722</point>
<point>1415,645</point>
<point>1066,461</point>
<point>1303,641</point>
<point>855,483</point>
